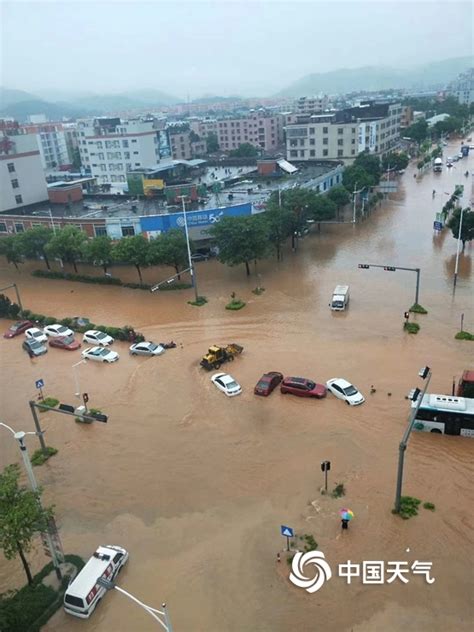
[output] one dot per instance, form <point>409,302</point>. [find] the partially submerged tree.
<point>241,240</point>
<point>169,249</point>
<point>467,228</point>
<point>98,251</point>
<point>134,251</point>
<point>33,243</point>
<point>21,517</point>
<point>67,244</point>
<point>11,248</point>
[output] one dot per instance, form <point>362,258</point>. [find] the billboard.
<point>164,144</point>
<point>372,137</point>
<point>362,127</point>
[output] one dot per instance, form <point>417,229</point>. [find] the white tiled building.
<point>51,142</point>
<point>463,87</point>
<point>109,147</point>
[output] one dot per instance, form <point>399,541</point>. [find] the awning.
<point>286,166</point>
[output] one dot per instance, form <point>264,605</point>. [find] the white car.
<point>226,384</point>
<point>57,330</point>
<point>99,354</point>
<point>33,333</point>
<point>343,389</point>
<point>97,338</point>
<point>146,349</point>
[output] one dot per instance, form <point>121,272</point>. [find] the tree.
<point>169,249</point>
<point>240,240</point>
<point>280,223</point>
<point>467,228</point>
<point>245,150</point>
<point>371,164</point>
<point>21,517</point>
<point>7,308</point>
<point>323,209</point>
<point>133,250</point>
<point>67,244</point>
<point>300,202</point>
<point>76,159</point>
<point>193,137</point>
<point>340,196</point>
<point>212,141</point>
<point>418,131</point>
<point>98,251</point>
<point>33,243</point>
<point>355,178</point>
<point>10,247</point>
<point>395,161</point>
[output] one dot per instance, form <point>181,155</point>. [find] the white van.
<point>83,593</point>
<point>340,298</point>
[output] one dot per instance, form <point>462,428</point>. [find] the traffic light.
<point>423,373</point>
<point>364,265</point>
<point>407,315</point>
<point>389,268</point>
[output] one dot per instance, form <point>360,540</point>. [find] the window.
<point>103,167</point>
<point>312,141</point>
<point>125,143</point>
<point>101,156</point>
<point>293,153</point>
<point>340,152</point>
<point>18,199</point>
<point>340,130</point>
<point>15,184</point>
<point>325,130</point>
<point>135,153</point>
<point>353,141</point>
<point>340,141</point>
<point>126,155</point>
<point>325,141</point>
<point>128,231</point>
<point>134,140</point>
<point>312,153</point>
<point>3,227</point>
<point>312,130</point>
<point>325,152</point>
<point>11,167</point>
<point>99,144</point>
<point>99,231</point>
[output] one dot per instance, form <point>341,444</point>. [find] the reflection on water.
<point>196,485</point>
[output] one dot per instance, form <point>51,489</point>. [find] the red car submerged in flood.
<point>18,328</point>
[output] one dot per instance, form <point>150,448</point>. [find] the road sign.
<point>286,531</point>
<point>325,466</point>
<point>437,226</point>
<point>39,383</point>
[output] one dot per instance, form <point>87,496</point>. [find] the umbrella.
<point>346,514</point>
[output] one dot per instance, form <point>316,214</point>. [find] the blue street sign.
<point>39,383</point>
<point>437,226</point>
<point>286,531</point>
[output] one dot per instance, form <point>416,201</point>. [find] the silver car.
<point>34,347</point>
<point>146,349</point>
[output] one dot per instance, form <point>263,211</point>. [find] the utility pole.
<point>458,247</point>
<point>190,261</point>
<point>417,397</point>
<point>13,285</point>
<point>20,437</point>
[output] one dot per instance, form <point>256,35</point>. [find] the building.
<point>109,147</point>
<point>51,142</point>
<point>463,87</point>
<point>438,118</point>
<point>259,128</point>
<point>342,135</point>
<point>311,105</point>
<point>186,144</point>
<point>22,179</point>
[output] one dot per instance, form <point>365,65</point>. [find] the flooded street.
<point>196,485</point>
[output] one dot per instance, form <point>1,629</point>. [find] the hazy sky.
<point>222,47</point>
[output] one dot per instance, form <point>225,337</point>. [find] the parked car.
<point>342,389</point>
<point>18,328</point>
<point>302,387</point>
<point>267,383</point>
<point>65,342</point>
<point>99,354</point>
<point>146,349</point>
<point>57,330</point>
<point>199,256</point>
<point>226,384</point>
<point>36,334</point>
<point>34,347</point>
<point>97,337</point>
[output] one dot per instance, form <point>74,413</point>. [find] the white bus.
<point>445,414</point>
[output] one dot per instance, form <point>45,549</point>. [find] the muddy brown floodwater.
<point>196,485</point>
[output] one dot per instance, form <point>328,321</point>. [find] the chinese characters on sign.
<point>378,572</point>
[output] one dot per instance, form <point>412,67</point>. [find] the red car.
<point>302,387</point>
<point>18,328</point>
<point>267,383</point>
<point>65,342</point>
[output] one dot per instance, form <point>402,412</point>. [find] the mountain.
<point>375,78</point>
<point>127,100</point>
<point>9,97</point>
<point>53,111</point>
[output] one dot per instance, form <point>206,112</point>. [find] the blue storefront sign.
<point>153,224</point>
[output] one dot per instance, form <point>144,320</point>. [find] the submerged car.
<point>57,330</point>
<point>226,384</point>
<point>146,349</point>
<point>97,337</point>
<point>268,383</point>
<point>65,342</point>
<point>302,387</point>
<point>18,328</point>
<point>34,333</point>
<point>34,347</point>
<point>99,354</point>
<point>342,389</point>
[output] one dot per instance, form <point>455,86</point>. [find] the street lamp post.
<point>458,248</point>
<point>354,198</point>
<point>76,377</point>
<point>417,397</point>
<point>190,261</point>
<point>20,437</point>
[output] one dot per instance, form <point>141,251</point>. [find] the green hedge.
<point>28,609</point>
<point>85,278</point>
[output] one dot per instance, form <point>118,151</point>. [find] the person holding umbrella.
<point>346,516</point>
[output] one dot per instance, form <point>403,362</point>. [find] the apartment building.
<point>51,142</point>
<point>22,178</point>
<point>342,135</point>
<point>463,87</point>
<point>109,147</point>
<point>186,144</point>
<point>311,105</point>
<point>259,128</point>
